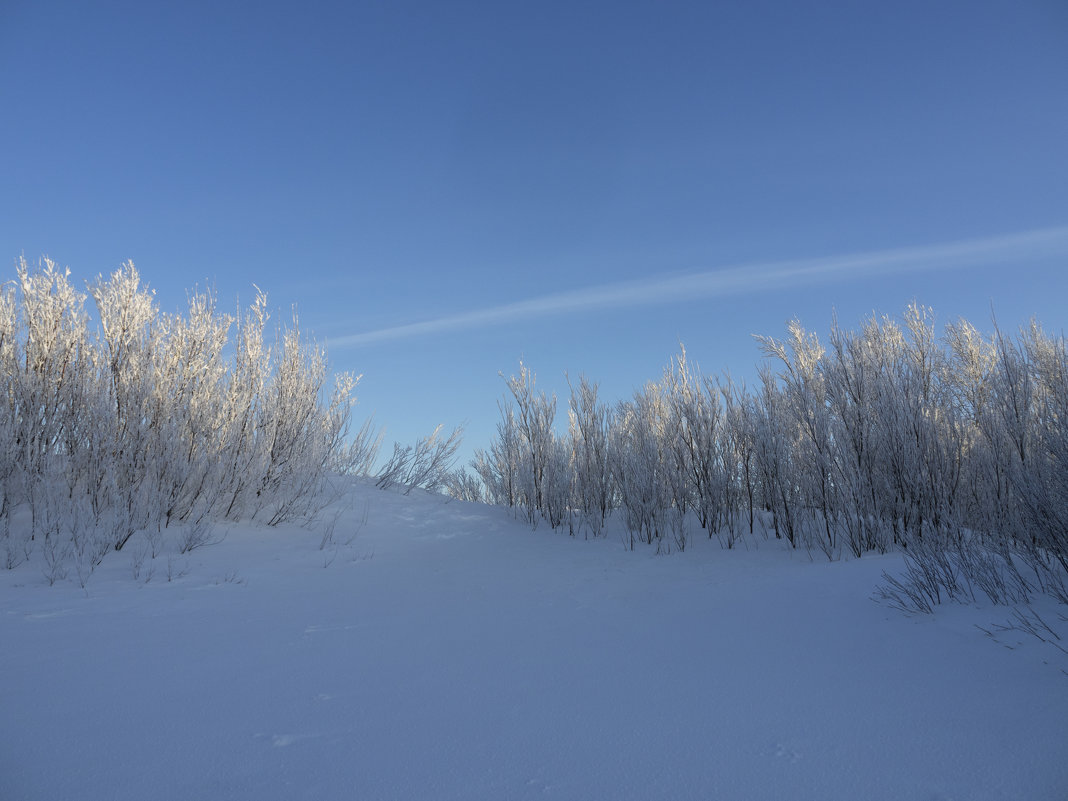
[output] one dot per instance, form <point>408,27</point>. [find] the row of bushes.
<point>953,447</point>
<point>141,420</point>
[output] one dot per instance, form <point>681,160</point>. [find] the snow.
<point>449,652</point>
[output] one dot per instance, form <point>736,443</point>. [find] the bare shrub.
<point>197,534</point>
<point>465,486</point>
<point>425,465</point>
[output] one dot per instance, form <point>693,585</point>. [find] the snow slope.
<point>449,652</point>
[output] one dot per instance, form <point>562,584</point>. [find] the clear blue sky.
<point>617,176</point>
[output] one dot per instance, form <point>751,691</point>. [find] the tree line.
<point>140,421</point>
<point>952,446</point>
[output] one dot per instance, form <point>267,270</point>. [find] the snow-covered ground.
<point>449,652</point>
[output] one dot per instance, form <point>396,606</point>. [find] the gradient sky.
<point>443,188</point>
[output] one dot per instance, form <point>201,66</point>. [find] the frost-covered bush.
<point>590,433</point>
<point>648,480</point>
<point>138,420</point>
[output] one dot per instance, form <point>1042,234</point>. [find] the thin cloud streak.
<point>736,279</point>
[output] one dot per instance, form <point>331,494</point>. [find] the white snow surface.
<point>450,652</point>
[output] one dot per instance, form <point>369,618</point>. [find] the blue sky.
<point>443,188</point>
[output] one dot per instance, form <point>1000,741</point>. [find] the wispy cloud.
<point>737,279</point>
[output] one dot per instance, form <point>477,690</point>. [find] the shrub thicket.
<point>953,448</point>
<point>140,420</point>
